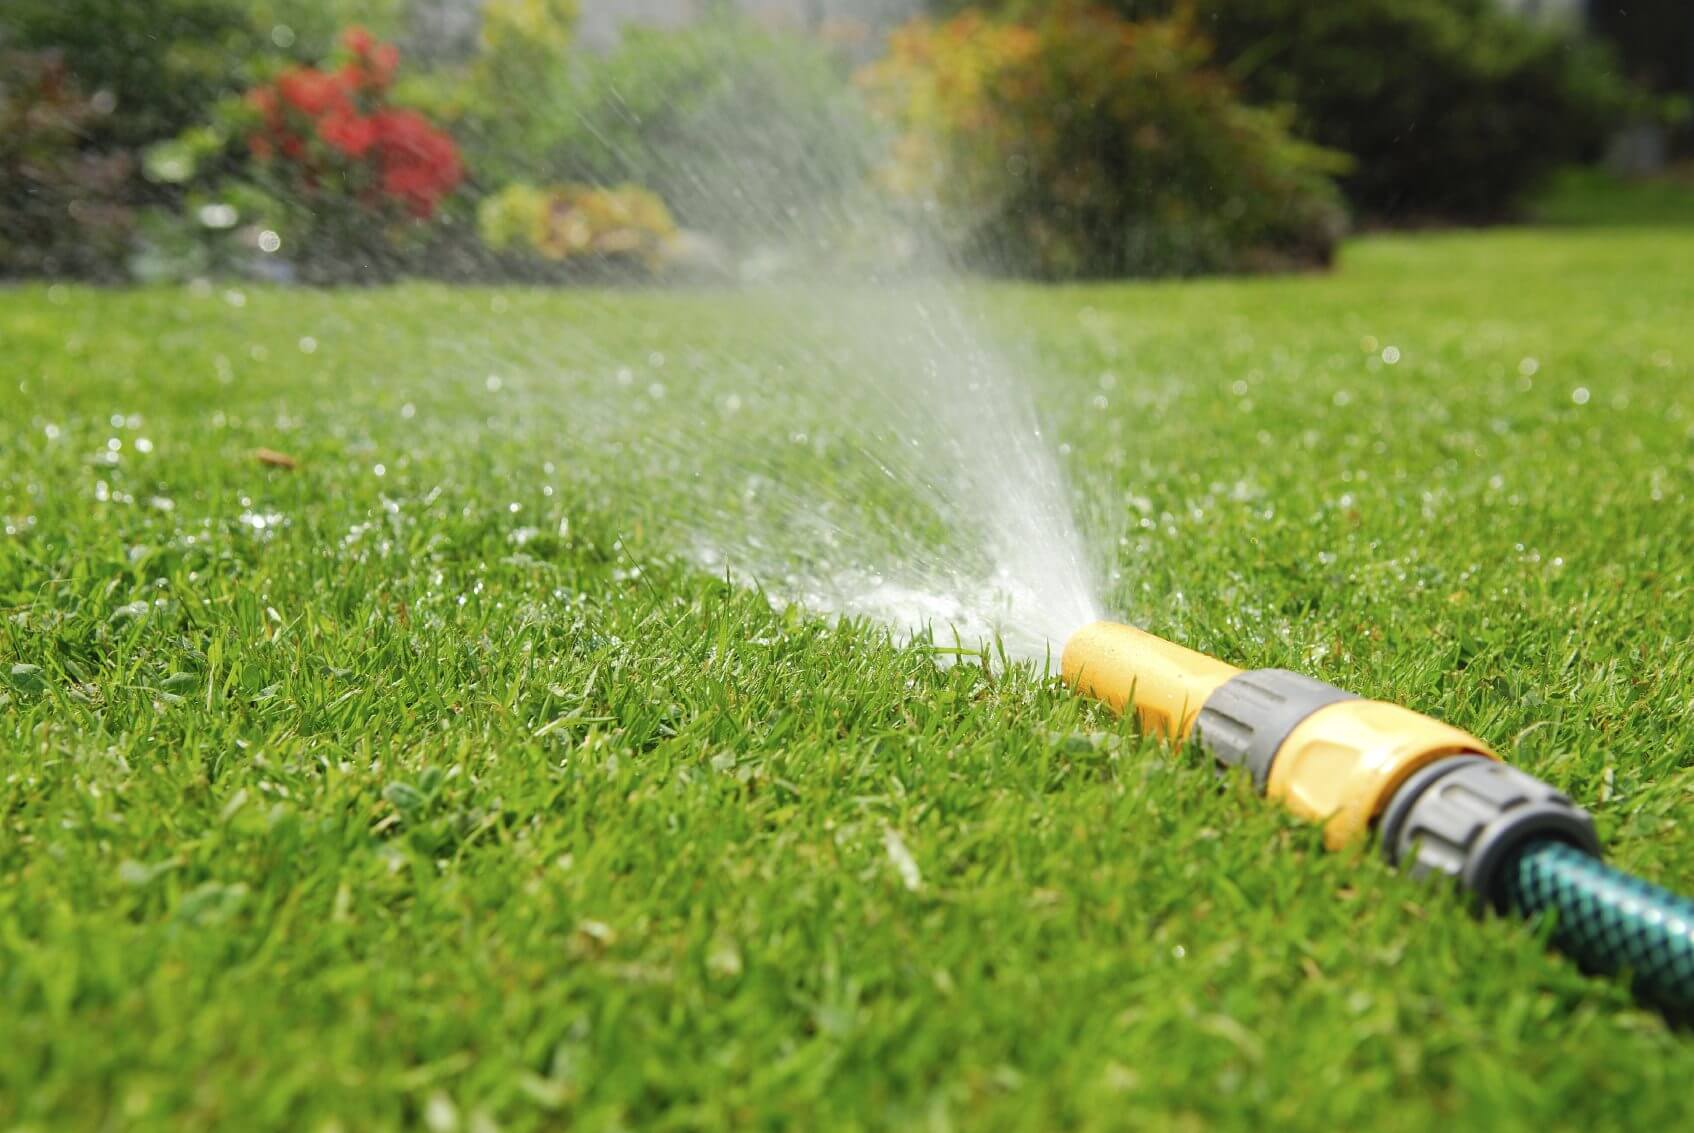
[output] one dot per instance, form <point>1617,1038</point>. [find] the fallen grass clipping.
<point>409,780</point>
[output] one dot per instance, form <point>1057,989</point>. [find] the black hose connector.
<point>1521,847</point>
<point>1466,816</point>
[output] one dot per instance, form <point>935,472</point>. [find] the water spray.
<point>1440,800</point>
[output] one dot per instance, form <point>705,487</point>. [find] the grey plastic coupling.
<point>1465,815</point>
<point>1244,722</point>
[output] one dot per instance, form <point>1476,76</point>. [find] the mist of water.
<point>915,486</point>
<point>862,450</point>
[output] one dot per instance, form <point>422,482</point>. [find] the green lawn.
<point>444,797</point>
<point>1594,197</point>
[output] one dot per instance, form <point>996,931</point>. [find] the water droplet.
<point>218,216</point>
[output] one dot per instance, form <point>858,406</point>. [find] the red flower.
<point>374,62</point>
<point>404,132</point>
<point>313,93</point>
<point>263,99</point>
<point>347,133</point>
<point>419,163</point>
<point>357,40</point>
<point>396,156</point>
<point>382,62</point>
<point>413,186</point>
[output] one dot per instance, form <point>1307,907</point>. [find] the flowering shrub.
<point>333,134</point>
<point>1086,145</point>
<point>626,225</point>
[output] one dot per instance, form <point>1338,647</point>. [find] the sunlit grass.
<point>420,785</point>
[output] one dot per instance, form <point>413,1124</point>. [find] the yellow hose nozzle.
<point>1121,665</point>
<point>1325,754</point>
<point>1441,801</point>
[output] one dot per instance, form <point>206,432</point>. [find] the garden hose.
<point>1607,920</point>
<point>1441,802</point>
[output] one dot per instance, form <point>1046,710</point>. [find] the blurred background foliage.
<point>1082,144</point>
<point>746,133</point>
<point>1451,109</point>
<point>1056,139</point>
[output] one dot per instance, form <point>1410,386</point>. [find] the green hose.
<point>1609,921</point>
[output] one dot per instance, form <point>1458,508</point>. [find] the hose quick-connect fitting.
<point>1444,802</point>
<point>1332,757</point>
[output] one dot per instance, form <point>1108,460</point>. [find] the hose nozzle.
<point>1446,804</point>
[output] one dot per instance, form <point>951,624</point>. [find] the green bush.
<point>144,73</point>
<point>163,62</point>
<point>1084,145</point>
<point>350,185</point>
<point>62,205</point>
<point>1451,108</point>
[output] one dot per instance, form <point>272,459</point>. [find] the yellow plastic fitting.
<point>1338,766</point>
<point>1341,765</point>
<point>1167,683</point>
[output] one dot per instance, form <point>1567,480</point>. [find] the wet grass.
<point>415,786</point>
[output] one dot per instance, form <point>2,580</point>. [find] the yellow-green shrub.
<point>578,223</point>
<point>1082,144</point>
